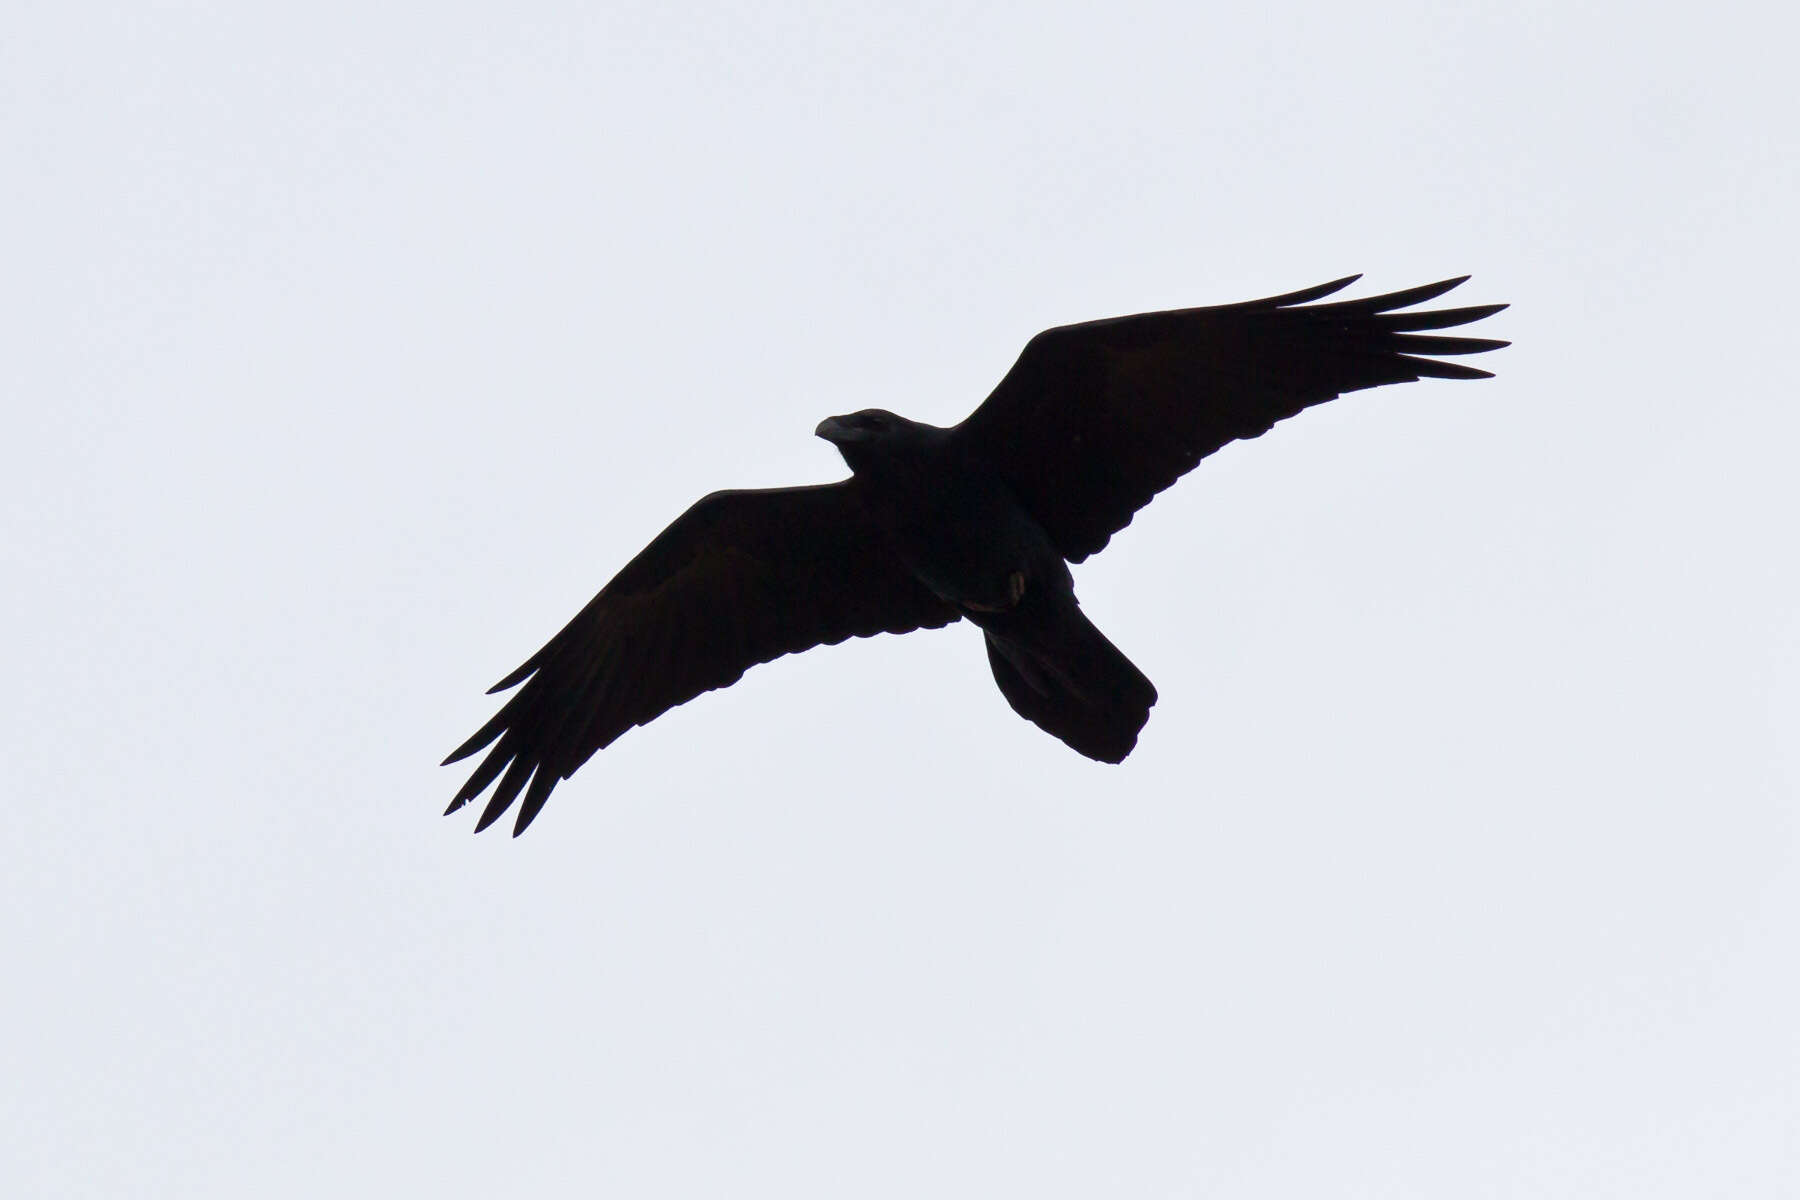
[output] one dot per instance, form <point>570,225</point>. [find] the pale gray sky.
<point>351,349</point>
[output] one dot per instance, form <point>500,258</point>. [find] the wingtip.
<point>1416,295</point>
<point>519,674</point>
<point>1445,370</point>
<point>1292,299</point>
<point>1327,289</point>
<point>536,796</point>
<point>478,741</point>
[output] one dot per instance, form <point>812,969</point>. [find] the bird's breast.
<point>980,550</point>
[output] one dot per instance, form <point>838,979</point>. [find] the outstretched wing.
<point>742,577</point>
<point>1095,419</point>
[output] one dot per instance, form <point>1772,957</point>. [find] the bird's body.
<point>977,521</point>
<point>946,514</point>
<point>951,520</point>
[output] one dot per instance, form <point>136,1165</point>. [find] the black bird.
<point>979,521</point>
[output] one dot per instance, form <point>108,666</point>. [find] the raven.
<point>979,520</point>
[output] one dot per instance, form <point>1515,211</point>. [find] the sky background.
<point>350,349</point>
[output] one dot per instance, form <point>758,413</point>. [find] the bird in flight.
<point>978,521</point>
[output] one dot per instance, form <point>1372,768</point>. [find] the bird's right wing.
<point>742,577</point>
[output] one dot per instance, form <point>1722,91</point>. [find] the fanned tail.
<point>1065,677</point>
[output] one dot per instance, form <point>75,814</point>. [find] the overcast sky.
<point>351,348</point>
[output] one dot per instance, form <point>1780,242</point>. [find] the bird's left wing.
<point>742,577</point>
<point>1095,419</point>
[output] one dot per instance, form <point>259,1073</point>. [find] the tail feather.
<point>1066,678</point>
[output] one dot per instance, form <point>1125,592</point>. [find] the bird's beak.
<point>831,429</point>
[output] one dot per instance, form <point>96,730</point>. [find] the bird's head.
<point>861,428</point>
<point>875,440</point>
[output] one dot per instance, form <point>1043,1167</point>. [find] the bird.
<point>979,521</point>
